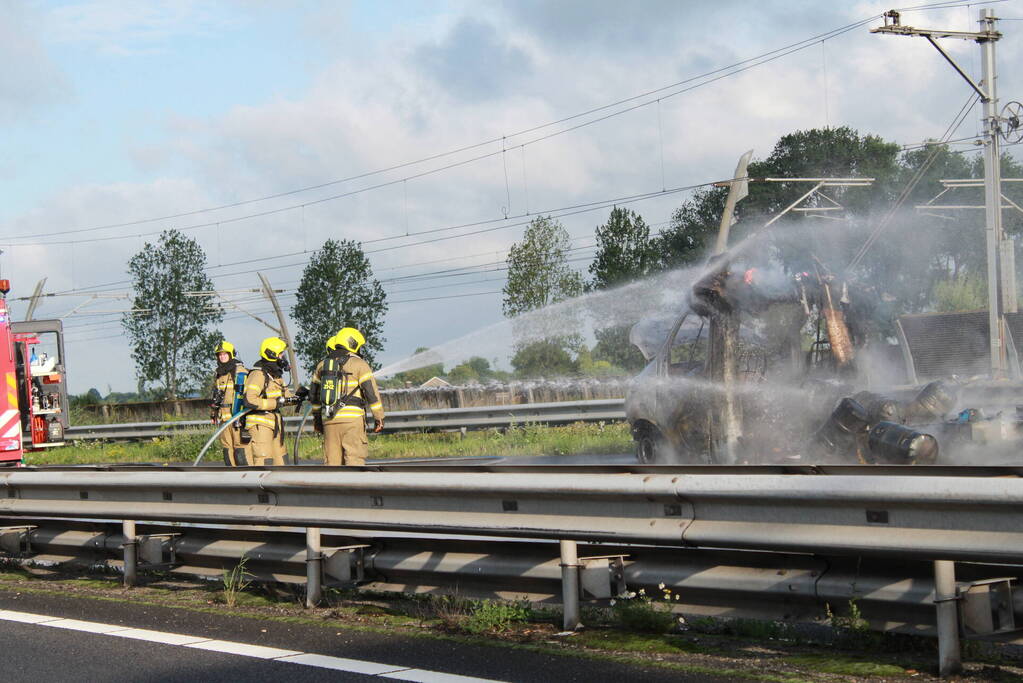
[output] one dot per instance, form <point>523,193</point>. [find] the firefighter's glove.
<point>318,423</point>
<point>302,393</point>
<point>379,427</point>
<point>291,400</point>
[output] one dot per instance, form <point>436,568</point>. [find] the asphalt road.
<point>41,652</point>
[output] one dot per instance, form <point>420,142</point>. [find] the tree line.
<point>924,262</point>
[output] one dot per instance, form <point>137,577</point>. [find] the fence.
<point>433,398</point>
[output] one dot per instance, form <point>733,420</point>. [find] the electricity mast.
<point>1001,284</point>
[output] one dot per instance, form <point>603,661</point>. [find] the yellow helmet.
<point>272,348</point>
<point>224,347</point>
<point>332,343</point>
<point>349,338</point>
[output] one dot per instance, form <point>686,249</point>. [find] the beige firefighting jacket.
<point>265,406</point>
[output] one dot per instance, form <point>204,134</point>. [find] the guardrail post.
<point>945,599</point>
<point>131,548</point>
<point>570,584</point>
<point>313,567</point>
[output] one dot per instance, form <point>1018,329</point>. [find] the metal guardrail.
<point>921,517</point>
<point>893,595</point>
<point>410,420</point>
<point>900,518</point>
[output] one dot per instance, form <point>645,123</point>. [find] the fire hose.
<point>217,433</point>
<point>298,435</point>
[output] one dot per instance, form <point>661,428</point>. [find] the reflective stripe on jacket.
<point>264,405</point>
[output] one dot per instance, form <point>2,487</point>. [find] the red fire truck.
<point>34,407</point>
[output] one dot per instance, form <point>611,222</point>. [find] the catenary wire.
<point>718,74</point>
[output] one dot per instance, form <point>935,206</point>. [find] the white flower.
<point>613,601</point>
<point>661,585</point>
<point>642,591</point>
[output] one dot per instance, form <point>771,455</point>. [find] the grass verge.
<point>514,625</point>
<point>529,439</point>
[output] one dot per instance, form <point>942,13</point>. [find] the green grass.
<point>847,666</point>
<point>528,439</point>
<point>513,625</point>
<point>649,643</point>
<point>525,440</point>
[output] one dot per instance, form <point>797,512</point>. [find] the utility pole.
<point>986,37</point>
<point>34,301</point>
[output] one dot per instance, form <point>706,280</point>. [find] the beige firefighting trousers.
<point>345,442</point>
<point>266,446</point>
<point>231,443</point>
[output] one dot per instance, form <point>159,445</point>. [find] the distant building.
<point>435,383</point>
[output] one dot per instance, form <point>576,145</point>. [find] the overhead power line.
<point>561,212</point>
<point>658,94</point>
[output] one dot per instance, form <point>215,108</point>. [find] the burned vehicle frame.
<point>761,367</point>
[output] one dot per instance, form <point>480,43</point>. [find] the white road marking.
<point>427,676</point>
<point>243,649</point>
<point>85,626</point>
<point>25,617</point>
<point>339,664</point>
<point>157,636</point>
<point>357,666</point>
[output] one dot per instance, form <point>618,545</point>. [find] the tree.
<point>338,290</point>
<point>90,398</point>
<point>963,293</point>
<point>546,358</point>
<point>539,276</point>
<point>624,250</point>
<point>825,153</point>
<point>693,227</point>
<point>538,270</point>
<point>475,369</point>
<point>171,333</point>
<point>625,253</point>
<point>614,347</point>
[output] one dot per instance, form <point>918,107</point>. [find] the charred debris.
<point>770,366</point>
<point>745,389</point>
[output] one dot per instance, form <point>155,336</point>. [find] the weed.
<point>851,629</point>
<point>636,611</point>
<point>490,617</point>
<point>708,625</point>
<point>235,580</point>
<point>452,611</point>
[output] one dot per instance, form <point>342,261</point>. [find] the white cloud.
<point>401,96</point>
<point>29,79</point>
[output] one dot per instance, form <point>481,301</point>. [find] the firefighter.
<point>229,383</point>
<point>265,394</point>
<point>342,389</point>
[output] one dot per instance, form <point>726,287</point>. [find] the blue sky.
<point>121,111</point>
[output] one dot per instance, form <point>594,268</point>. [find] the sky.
<point>423,128</point>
